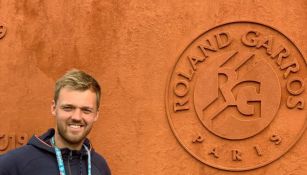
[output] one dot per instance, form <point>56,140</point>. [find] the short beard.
<point>70,140</point>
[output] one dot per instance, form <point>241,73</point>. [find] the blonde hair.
<point>77,80</point>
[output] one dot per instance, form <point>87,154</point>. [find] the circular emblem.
<point>2,30</point>
<point>235,98</point>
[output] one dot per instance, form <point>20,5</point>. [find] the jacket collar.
<point>43,142</point>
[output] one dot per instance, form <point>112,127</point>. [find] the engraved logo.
<point>250,87</point>
<point>235,98</point>
<point>2,30</point>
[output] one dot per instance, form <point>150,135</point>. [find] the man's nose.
<point>76,115</point>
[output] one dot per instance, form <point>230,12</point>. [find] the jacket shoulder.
<point>14,160</point>
<point>100,163</point>
<point>22,159</point>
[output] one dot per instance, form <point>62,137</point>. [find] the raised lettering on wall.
<point>9,141</point>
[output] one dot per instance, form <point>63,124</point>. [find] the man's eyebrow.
<point>67,105</point>
<point>86,107</point>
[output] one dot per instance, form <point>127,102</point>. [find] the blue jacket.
<point>38,158</point>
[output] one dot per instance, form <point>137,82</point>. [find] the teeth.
<point>75,126</point>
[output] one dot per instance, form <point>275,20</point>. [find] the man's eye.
<point>67,108</point>
<point>87,111</point>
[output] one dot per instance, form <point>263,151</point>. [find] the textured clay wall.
<point>162,65</point>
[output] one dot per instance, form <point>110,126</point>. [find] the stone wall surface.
<point>132,48</point>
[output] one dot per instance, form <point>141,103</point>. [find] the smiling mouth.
<point>75,126</point>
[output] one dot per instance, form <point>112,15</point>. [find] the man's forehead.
<point>69,89</point>
<point>77,97</point>
<point>72,88</point>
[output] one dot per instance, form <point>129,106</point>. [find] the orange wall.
<point>131,47</point>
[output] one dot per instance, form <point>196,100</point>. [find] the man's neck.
<point>62,143</point>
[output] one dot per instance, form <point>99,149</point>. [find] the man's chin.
<point>74,139</point>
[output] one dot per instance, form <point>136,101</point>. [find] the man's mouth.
<point>75,126</point>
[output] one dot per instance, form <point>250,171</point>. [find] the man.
<point>65,149</point>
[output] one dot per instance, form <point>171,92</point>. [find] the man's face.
<point>75,113</point>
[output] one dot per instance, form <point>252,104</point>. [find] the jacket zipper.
<point>68,163</point>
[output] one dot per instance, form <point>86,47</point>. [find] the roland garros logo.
<point>235,98</point>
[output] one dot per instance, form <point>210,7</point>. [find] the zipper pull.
<point>70,155</point>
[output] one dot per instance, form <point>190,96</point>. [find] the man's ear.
<point>96,116</point>
<point>53,105</point>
